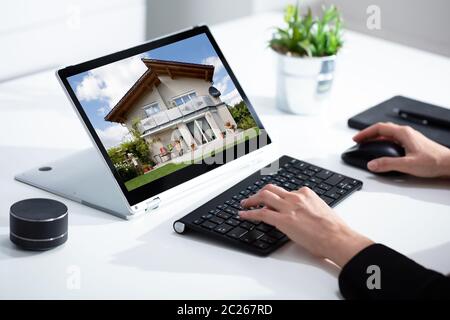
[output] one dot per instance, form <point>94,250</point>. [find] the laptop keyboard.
<point>219,218</point>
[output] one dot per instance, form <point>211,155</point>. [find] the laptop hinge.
<point>152,204</point>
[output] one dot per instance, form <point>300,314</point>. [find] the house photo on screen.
<point>161,111</point>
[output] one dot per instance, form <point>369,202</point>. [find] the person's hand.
<point>423,157</point>
<point>307,220</point>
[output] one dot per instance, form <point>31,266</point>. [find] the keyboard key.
<point>276,234</point>
<point>238,197</point>
<point>231,211</point>
<point>315,180</point>
<point>251,236</point>
<point>309,173</point>
<point>342,191</point>
<point>208,225</point>
<point>224,215</point>
<point>280,179</point>
<point>237,232</point>
<point>223,228</point>
<point>319,191</point>
<point>245,192</point>
<point>264,227</point>
<point>238,206</point>
<point>268,239</point>
<point>296,181</point>
<point>341,185</point>
<point>309,184</point>
<point>333,193</point>
<point>259,183</point>
<point>287,175</point>
<point>315,169</point>
<point>261,245</point>
<point>222,206</point>
<point>334,179</point>
<point>302,177</point>
<point>214,211</point>
<point>327,199</point>
<point>233,222</point>
<point>207,216</point>
<point>217,220</point>
<point>324,186</point>
<point>293,170</point>
<point>289,186</point>
<point>300,165</point>
<point>247,225</point>
<point>198,221</point>
<point>230,202</point>
<point>252,187</point>
<point>324,174</point>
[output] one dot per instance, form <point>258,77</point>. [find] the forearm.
<point>398,277</point>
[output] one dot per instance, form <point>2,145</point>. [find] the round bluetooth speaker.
<point>38,224</point>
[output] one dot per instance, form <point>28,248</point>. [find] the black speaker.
<point>38,224</point>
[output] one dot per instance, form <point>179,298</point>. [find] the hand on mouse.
<point>307,220</point>
<point>423,157</point>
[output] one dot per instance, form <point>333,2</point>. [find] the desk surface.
<point>144,258</point>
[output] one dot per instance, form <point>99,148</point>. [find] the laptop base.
<point>81,177</point>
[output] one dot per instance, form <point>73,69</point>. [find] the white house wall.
<point>137,111</point>
<point>170,88</point>
<point>225,115</point>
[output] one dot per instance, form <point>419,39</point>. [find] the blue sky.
<point>99,90</point>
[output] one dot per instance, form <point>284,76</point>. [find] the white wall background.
<point>37,35</point>
<point>44,34</point>
<point>423,24</point>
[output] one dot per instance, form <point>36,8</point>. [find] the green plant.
<point>310,36</point>
<point>242,116</point>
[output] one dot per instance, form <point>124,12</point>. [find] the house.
<point>176,108</point>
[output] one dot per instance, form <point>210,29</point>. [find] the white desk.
<point>144,258</point>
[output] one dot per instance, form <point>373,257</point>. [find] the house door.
<point>201,131</point>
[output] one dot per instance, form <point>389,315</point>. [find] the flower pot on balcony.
<point>303,83</point>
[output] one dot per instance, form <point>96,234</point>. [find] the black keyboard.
<point>218,218</point>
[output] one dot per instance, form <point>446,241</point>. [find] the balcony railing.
<point>175,113</point>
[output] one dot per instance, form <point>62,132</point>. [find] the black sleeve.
<point>400,277</point>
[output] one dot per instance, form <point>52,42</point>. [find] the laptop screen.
<point>164,111</point>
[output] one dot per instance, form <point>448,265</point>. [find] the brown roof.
<point>150,79</point>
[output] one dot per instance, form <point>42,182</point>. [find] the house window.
<point>201,131</point>
<point>184,98</point>
<point>151,109</point>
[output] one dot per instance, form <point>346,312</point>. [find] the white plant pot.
<point>303,84</point>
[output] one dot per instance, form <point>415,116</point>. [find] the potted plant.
<point>306,55</point>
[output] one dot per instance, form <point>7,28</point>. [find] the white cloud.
<point>215,61</point>
<point>232,98</point>
<point>222,85</point>
<point>102,111</point>
<point>109,83</point>
<point>113,135</point>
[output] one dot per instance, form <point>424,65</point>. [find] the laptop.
<point>164,114</point>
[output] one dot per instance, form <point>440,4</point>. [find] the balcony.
<point>166,116</point>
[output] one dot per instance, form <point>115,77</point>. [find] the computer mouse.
<point>360,154</point>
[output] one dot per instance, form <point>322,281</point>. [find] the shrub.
<point>307,35</point>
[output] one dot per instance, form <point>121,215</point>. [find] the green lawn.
<point>171,167</point>
<point>154,174</point>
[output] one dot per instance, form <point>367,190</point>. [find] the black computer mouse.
<point>360,154</point>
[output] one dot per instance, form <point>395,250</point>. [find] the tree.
<point>242,116</point>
